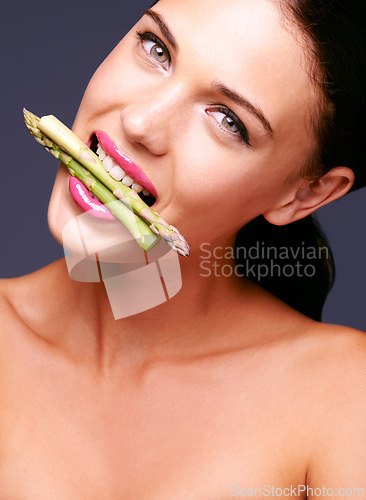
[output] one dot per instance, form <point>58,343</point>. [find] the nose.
<point>152,117</point>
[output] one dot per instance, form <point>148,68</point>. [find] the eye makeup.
<point>156,53</point>
<point>148,36</point>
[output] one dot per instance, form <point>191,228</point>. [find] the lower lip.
<point>92,206</point>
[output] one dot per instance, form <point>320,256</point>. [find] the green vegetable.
<point>66,146</point>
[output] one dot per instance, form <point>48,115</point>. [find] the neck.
<point>185,325</point>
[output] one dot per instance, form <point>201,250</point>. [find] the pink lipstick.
<point>85,201</point>
<point>131,169</point>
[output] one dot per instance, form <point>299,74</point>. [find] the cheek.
<point>115,79</point>
<point>209,175</point>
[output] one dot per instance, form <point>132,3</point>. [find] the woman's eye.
<point>155,48</point>
<point>231,123</point>
<point>226,121</point>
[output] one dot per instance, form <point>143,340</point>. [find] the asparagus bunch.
<point>66,146</point>
<point>145,238</point>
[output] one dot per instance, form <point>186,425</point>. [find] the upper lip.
<point>131,169</point>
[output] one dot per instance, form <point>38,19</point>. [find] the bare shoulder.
<point>335,383</point>
<point>23,299</point>
<point>334,358</point>
<point>339,346</point>
<point>15,293</point>
<point>7,310</point>
<point>12,329</point>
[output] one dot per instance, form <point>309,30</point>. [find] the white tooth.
<point>137,187</point>
<point>108,163</point>
<point>146,192</point>
<point>117,172</point>
<point>101,153</point>
<point>127,181</point>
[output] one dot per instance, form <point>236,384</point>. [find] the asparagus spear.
<point>49,128</point>
<point>145,238</point>
<point>55,130</point>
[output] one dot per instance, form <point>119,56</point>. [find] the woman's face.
<point>213,102</point>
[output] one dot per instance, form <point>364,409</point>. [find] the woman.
<point>224,387</point>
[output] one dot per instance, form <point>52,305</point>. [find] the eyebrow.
<point>244,103</point>
<point>217,86</point>
<point>163,27</point>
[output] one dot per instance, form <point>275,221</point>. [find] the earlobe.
<point>311,196</point>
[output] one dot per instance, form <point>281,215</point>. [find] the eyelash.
<point>153,38</point>
<point>243,135</point>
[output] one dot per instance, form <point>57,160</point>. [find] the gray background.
<point>49,52</point>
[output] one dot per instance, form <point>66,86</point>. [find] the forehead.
<point>244,44</point>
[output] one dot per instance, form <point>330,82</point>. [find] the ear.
<point>311,195</point>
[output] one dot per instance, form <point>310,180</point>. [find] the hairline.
<point>324,112</point>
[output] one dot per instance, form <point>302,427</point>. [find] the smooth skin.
<point>222,387</point>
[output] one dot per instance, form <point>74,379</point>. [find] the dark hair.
<point>294,262</point>
<point>334,33</point>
